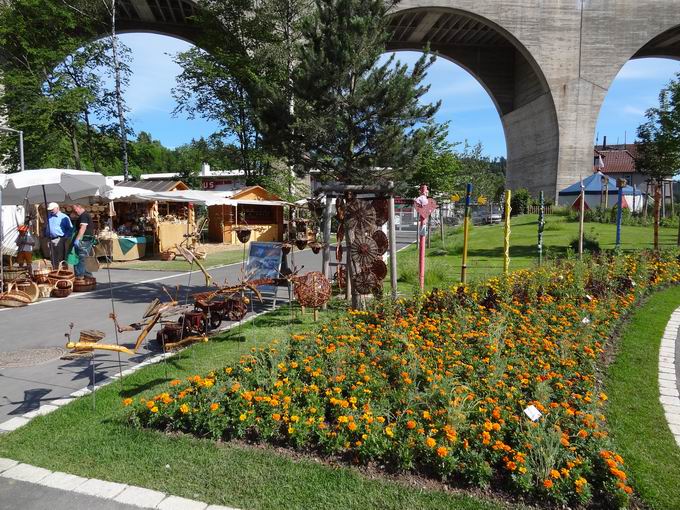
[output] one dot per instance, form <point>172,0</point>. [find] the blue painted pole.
<point>619,214</point>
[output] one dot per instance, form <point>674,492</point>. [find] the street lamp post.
<point>21,144</point>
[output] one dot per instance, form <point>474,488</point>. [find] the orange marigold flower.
<point>442,451</point>
<point>276,417</point>
<point>175,382</point>
<point>214,406</point>
<point>127,401</point>
<point>184,409</point>
<point>430,442</point>
<point>410,424</point>
<point>547,484</point>
<point>554,473</point>
<point>352,426</point>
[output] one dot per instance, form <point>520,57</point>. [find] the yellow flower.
<point>242,417</point>
<point>184,409</point>
<point>389,432</point>
<point>154,409</point>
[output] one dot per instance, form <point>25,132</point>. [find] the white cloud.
<point>648,69</point>
<point>633,110</point>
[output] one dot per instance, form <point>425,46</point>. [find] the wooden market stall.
<point>160,224</point>
<point>252,206</point>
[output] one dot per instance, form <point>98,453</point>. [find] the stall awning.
<point>199,197</point>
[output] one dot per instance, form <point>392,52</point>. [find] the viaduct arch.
<point>546,65</point>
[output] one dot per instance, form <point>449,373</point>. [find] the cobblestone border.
<point>668,377</point>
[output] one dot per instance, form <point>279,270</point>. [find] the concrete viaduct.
<point>547,64</point>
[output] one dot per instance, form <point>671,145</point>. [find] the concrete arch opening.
<point>504,67</point>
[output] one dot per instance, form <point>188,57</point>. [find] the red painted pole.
<point>421,258</point>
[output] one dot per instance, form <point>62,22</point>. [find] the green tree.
<point>659,144</point>
<point>356,120</point>
<point>438,167</point>
<point>487,176</point>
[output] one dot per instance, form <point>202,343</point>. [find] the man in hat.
<point>58,231</point>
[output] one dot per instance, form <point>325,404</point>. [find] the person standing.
<point>25,243</point>
<point>58,231</point>
<point>83,239</point>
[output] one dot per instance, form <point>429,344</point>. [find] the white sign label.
<point>533,413</point>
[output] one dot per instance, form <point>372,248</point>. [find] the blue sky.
<point>465,103</point>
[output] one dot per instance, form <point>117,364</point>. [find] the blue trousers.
<point>83,251</point>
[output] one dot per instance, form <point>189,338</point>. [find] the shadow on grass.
<point>134,390</point>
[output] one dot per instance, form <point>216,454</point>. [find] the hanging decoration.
<point>312,290</point>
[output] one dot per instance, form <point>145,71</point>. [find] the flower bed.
<point>438,386</point>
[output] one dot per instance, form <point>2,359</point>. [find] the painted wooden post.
<point>466,230</point>
<point>393,248</point>
<point>541,226</point>
<point>620,183</point>
<point>326,251</point>
<point>657,210</point>
<point>506,231</point>
<point>582,210</point>
<point>441,223</point>
<point>424,206</point>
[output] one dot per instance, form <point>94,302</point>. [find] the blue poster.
<point>264,261</point>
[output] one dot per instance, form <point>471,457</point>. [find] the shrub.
<point>591,242</point>
<point>438,384</point>
<point>520,201</point>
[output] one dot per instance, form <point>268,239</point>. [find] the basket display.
<point>84,284</point>
<point>62,288</point>
<point>28,287</point>
<point>63,273</point>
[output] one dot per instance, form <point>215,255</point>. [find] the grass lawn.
<point>485,253</point>
<point>636,417</point>
<point>96,443</point>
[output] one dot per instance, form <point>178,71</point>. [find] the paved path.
<point>43,324</point>
<point>669,374</point>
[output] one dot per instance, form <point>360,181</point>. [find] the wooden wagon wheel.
<point>365,282</point>
<point>379,269</point>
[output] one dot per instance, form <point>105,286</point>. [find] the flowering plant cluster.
<point>438,385</point>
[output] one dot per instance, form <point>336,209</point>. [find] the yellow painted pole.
<point>466,231</point>
<point>506,238</point>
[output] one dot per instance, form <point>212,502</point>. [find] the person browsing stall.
<point>58,231</point>
<point>83,239</point>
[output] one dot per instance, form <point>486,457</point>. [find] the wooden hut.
<point>265,218</point>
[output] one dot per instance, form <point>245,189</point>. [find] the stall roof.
<point>161,185</point>
<point>206,198</point>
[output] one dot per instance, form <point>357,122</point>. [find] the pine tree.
<point>355,120</point>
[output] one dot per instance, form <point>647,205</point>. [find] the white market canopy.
<point>196,197</point>
<point>51,185</point>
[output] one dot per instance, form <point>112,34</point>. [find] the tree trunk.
<point>657,211</point>
<point>119,94</point>
<point>76,150</point>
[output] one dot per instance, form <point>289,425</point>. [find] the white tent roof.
<point>59,185</point>
<point>198,197</point>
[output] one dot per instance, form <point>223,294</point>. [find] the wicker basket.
<point>41,274</point>
<point>62,288</point>
<point>168,255</point>
<point>84,284</point>
<point>45,290</point>
<point>63,273</point>
<point>29,288</point>
<point>12,273</point>
<point>14,298</point>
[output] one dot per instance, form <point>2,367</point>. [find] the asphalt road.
<point>42,325</point>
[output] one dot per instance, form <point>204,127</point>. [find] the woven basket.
<point>41,274</point>
<point>168,255</point>
<point>62,288</point>
<point>45,290</point>
<point>84,284</point>
<point>63,273</point>
<point>11,274</point>
<point>28,287</point>
<point>14,298</point>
